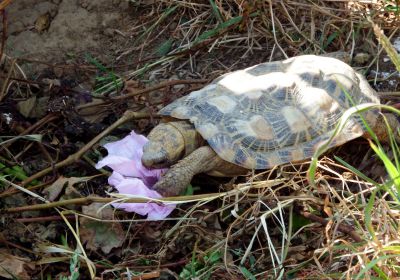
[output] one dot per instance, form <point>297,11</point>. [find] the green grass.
<point>385,42</point>
<point>379,254</point>
<point>112,83</point>
<point>107,81</point>
<point>201,266</point>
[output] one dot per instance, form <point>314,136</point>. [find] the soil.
<point>58,31</point>
<point>66,31</point>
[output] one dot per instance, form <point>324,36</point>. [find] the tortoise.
<point>260,117</point>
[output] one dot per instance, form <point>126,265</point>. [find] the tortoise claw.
<point>173,183</point>
<point>178,177</point>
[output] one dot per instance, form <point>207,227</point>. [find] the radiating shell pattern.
<point>278,112</point>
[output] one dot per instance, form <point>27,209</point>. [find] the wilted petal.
<point>120,164</point>
<point>115,179</point>
<point>160,212</point>
<point>124,156</point>
<point>129,147</point>
<point>134,186</point>
<point>150,177</point>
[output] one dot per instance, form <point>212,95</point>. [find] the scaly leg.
<point>202,160</point>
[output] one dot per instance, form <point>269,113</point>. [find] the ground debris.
<point>73,69</point>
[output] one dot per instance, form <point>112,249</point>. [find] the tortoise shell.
<point>277,112</point>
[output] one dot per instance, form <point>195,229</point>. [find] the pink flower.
<point>124,157</point>
<point>135,187</point>
<point>132,178</point>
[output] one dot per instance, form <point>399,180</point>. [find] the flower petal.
<point>130,147</point>
<point>124,157</point>
<point>134,186</point>
<point>122,165</point>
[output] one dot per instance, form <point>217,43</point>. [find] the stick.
<point>128,115</point>
<point>343,228</point>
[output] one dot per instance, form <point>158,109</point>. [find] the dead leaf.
<point>41,232</point>
<point>71,193</point>
<point>95,113</point>
<point>327,208</point>
<point>33,107</point>
<point>98,234</point>
<point>131,87</point>
<point>55,189</point>
<point>12,267</point>
<point>151,234</point>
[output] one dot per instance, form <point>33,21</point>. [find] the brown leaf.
<point>151,234</point>
<point>33,107</point>
<point>327,208</point>
<point>54,190</point>
<point>12,267</point>
<point>94,113</point>
<point>99,234</point>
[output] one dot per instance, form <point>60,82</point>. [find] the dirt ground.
<point>65,31</point>
<point>66,51</point>
<point>58,31</point>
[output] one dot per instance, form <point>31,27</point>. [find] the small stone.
<point>362,58</point>
<point>172,26</point>
<point>109,31</point>
<point>83,3</point>
<point>42,23</point>
<point>176,87</point>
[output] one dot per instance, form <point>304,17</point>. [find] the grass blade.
<point>385,42</point>
<point>390,167</point>
<point>216,12</point>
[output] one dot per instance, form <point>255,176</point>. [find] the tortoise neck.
<point>192,139</point>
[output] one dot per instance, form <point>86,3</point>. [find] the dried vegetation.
<point>271,225</point>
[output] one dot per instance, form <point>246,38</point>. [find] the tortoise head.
<point>168,143</point>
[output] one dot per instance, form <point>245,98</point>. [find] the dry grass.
<point>267,236</point>
<point>275,224</point>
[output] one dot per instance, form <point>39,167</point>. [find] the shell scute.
<point>278,112</point>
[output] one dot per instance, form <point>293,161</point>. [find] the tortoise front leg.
<point>202,160</point>
<point>178,177</point>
